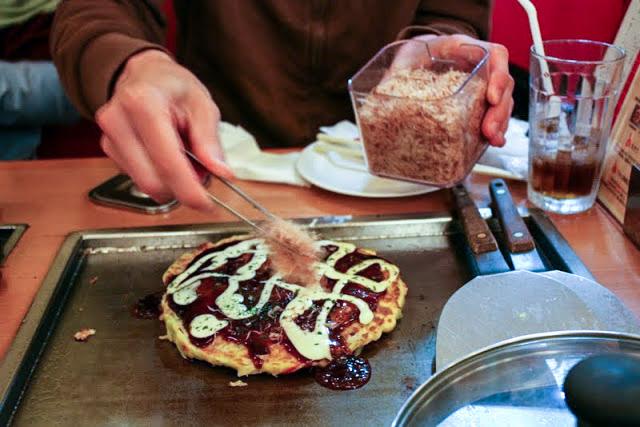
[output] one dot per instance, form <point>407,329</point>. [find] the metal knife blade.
<point>483,251</point>
<point>520,248</point>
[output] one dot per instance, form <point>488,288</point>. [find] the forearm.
<point>92,39</point>
<point>470,17</point>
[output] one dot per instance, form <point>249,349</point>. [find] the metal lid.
<point>517,382</point>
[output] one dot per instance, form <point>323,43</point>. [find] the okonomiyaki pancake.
<point>225,305</point>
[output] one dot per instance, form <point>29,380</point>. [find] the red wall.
<point>585,19</point>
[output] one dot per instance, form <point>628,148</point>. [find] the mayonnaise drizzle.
<point>314,344</point>
<point>205,325</point>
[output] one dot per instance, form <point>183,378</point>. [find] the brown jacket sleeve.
<point>92,39</point>
<point>469,17</point>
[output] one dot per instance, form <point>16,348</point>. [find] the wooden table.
<point>51,196</point>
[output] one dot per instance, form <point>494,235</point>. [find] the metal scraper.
<point>494,308</point>
<point>604,303</point>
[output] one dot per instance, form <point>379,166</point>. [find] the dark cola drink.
<point>563,178</point>
<point>573,88</point>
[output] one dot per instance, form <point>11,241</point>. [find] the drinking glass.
<point>573,89</point>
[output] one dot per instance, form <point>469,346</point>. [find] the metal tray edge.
<point>18,231</point>
<point>315,222</point>
<point>26,336</point>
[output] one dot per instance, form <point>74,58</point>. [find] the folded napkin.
<point>248,162</point>
<point>514,156</point>
<point>344,129</point>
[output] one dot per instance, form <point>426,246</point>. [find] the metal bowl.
<point>517,382</point>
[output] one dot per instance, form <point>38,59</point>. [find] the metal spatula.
<point>495,307</point>
<point>519,248</point>
<point>491,309</point>
<point>482,251</point>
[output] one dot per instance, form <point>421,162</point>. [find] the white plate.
<point>344,175</point>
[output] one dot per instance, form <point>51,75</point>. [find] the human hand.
<point>157,108</point>
<point>499,86</point>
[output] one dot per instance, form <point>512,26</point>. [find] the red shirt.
<point>559,19</point>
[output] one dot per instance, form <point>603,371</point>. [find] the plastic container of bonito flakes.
<point>419,106</point>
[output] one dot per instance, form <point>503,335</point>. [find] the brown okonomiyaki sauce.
<point>344,372</point>
<point>148,307</point>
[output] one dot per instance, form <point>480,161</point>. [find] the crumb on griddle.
<point>83,334</point>
<point>409,383</point>
<point>238,383</point>
<point>293,251</point>
<point>93,280</point>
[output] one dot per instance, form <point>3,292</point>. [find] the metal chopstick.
<point>235,212</point>
<point>242,194</point>
<point>236,189</point>
<point>245,196</point>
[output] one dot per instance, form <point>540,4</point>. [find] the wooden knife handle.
<point>515,230</point>
<point>476,229</point>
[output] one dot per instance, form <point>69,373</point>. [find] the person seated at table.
<point>279,68</point>
<point>31,95</point>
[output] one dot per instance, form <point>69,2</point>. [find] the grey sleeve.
<point>31,95</point>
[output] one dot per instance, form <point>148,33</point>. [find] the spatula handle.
<point>476,229</point>
<point>515,230</point>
